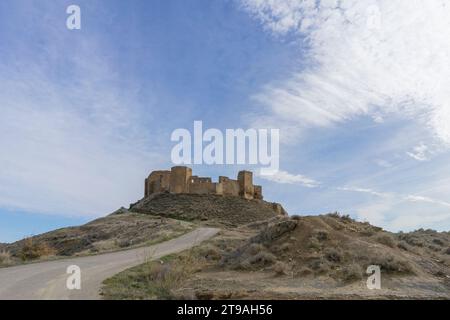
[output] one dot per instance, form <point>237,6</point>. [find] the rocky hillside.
<point>314,257</point>
<point>332,253</point>
<point>228,211</point>
<point>118,231</point>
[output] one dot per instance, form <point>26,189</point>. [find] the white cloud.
<point>72,143</point>
<point>365,190</point>
<point>419,152</point>
<point>363,58</point>
<point>284,177</point>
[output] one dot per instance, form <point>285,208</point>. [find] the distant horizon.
<point>358,92</point>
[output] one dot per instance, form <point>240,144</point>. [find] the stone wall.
<point>246,189</point>
<point>181,180</point>
<point>157,181</point>
<point>229,187</point>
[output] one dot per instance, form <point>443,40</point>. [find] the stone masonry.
<point>180,180</point>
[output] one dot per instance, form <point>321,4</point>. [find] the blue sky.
<point>361,102</point>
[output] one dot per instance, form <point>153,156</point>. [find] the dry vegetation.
<point>119,231</point>
<point>217,210</point>
<point>299,257</point>
<point>5,258</point>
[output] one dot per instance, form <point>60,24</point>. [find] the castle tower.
<point>157,181</point>
<point>180,179</point>
<point>246,189</point>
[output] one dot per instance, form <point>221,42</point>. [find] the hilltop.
<point>227,211</point>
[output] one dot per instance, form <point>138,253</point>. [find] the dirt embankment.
<point>317,257</point>
<point>226,211</point>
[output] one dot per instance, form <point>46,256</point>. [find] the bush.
<point>262,258</point>
<point>285,247</point>
<point>391,264</point>
<point>403,245</point>
<point>210,252</point>
<point>322,235</point>
<point>34,250</point>
<point>352,272</point>
<point>439,242</point>
<point>5,258</point>
<point>280,268</point>
<point>303,272</point>
<point>255,248</point>
<point>319,266</point>
<point>385,239</point>
<point>333,255</point>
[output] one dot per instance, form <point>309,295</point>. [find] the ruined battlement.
<point>180,180</point>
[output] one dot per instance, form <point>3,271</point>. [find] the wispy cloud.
<point>363,58</point>
<point>71,144</point>
<point>285,177</point>
<point>420,152</point>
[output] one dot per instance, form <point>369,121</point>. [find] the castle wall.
<point>204,188</point>
<point>229,187</point>
<point>179,179</point>
<point>246,189</point>
<point>146,193</point>
<point>258,192</point>
<point>158,181</point>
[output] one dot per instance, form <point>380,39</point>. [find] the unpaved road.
<point>47,280</point>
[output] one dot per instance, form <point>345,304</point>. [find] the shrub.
<point>391,264</point>
<point>262,258</point>
<point>403,245</point>
<point>385,239</point>
<point>322,235</point>
<point>439,242</point>
<point>255,248</point>
<point>284,247</point>
<point>319,266</point>
<point>210,252</point>
<point>303,272</point>
<point>280,268</point>
<point>5,258</point>
<point>34,250</point>
<point>352,272</point>
<point>333,255</point>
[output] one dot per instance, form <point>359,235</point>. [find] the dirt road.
<point>47,280</point>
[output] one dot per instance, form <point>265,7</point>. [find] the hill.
<point>317,257</point>
<point>227,211</point>
<point>118,231</point>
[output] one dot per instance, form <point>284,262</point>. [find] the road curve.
<point>47,280</point>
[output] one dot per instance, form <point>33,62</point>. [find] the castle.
<point>180,180</point>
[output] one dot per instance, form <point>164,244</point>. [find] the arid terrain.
<point>256,255</point>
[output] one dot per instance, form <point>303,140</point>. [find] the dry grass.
<point>280,268</point>
<point>151,280</point>
<point>32,250</point>
<point>352,272</point>
<point>385,239</point>
<point>5,258</point>
<point>111,233</point>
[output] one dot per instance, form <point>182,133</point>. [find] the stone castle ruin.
<point>181,180</point>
